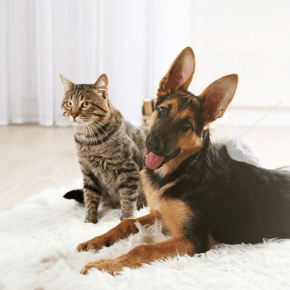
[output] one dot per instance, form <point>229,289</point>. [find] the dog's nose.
<point>155,144</point>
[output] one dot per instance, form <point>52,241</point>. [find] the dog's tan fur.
<point>173,212</point>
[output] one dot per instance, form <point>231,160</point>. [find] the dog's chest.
<point>153,200</point>
<point>153,195</point>
<point>175,213</point>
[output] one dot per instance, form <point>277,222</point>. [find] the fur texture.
<point>110,150</point>
<point>201,196</point>
<point>37,250</point>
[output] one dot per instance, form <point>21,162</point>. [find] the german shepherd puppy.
<point>201,196</point>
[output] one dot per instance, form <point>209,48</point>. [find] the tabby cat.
<point>110,149</point>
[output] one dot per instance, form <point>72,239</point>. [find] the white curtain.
<point>132,41</point>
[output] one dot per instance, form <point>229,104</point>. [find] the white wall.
<point>250,38</point>
<point>134,42</point>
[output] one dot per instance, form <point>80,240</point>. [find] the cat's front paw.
<point>125,216</point>
<point>92,220</point>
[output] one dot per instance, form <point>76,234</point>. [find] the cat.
<point>109,148</point>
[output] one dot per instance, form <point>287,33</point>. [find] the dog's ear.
<point>101,86</point>
<point>67,85</point>
<point>217,96</point>
<point>179,75</point>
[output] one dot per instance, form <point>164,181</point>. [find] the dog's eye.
<point>161,110</point>
<point>69,103</point>
<point>186,126</point>
<point>85,104</point>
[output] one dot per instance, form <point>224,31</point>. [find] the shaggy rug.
<point>39,236</point>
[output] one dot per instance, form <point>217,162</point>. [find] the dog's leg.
<point>143,254</point>
<point>121,231</point>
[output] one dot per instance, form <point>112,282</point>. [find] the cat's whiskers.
<point>91,135</point>
<point>95,130</point>
<point>87,132</point>
<point>100,160</point>
<point>101,124</point>
<point>98,132</point>
<point>113,137</point>
<point>101,128</point>
<point>83,124</point>
<point>90,132</point>
<point>60,130</point>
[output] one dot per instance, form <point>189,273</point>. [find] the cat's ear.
<point>217,97</point>
<point>179,75</point>
<point>67,84</point>
<point>101,86</point>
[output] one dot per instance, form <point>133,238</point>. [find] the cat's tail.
<point>77,194</point>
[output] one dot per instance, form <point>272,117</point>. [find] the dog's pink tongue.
<point>153,161</point>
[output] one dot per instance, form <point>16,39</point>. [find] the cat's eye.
<point>85,104</point>
<point>69,103</point>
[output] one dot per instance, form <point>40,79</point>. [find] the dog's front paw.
<point>110,266</point>
<point>93,244</point>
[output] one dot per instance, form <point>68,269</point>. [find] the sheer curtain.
<point>133,42</point>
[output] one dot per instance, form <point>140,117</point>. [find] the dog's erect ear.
<point>179,75</point>
<point>217,96</point>
<point>67,85</point>
<point>101,86</point>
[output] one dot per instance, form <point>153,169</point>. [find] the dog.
<point>201,196</point>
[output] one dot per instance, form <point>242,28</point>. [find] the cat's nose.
<point>74,113</point>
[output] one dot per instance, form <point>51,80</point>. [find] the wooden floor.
<point>34,157</point>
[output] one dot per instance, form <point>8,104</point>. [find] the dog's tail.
<point>77,194</point>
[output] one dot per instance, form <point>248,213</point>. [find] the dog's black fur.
<point>233,202</point>
<point>202,196</point>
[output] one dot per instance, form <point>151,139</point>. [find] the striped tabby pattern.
<point>110,149</point>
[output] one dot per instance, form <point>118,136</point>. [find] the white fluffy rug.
<point>39,236</point>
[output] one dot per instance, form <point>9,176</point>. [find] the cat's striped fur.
<point>110,149</point>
